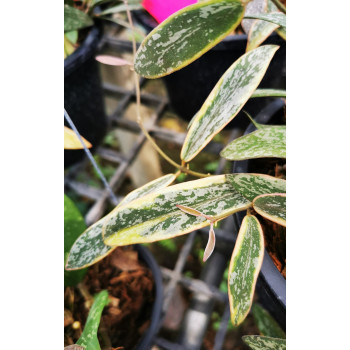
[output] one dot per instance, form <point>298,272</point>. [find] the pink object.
<point>162,9</point>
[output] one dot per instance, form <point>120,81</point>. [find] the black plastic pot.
<point>146,256</point>
<point>271,285</point>
<point>189,87</point>
<point>83,97</point>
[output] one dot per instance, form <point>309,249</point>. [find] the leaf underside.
<point>266,323</point>
<point>89,248</point>
<point>227,98</point>
<point>156,217</point>
<point>244,268</point>
<point>75,19</point>
<point>257,342</point>
<point>88,338</point>
<point>263,143</point>
<point>272,207</point>
<point>261,30</point>
<point>252,185</point>
<point>186,35</point>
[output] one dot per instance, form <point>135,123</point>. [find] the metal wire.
<point>91,158</point>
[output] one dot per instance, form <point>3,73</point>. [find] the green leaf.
<point>266,323</point>
<point>227,98</point>
<point>89,248</point>
<point>75,19</point>
<point>244,268</point>
<point>259,32</point>
<point>253,185</point>
<point>272,207</point>
<point>278,18</point>
<point>74,225</point>
<point>257,342</point>
<point>88,339</point>
<point>262,143</point>
<point>72,36</point>
<point>268,93</point>
<point>187,35</point>
<point>156,217</point>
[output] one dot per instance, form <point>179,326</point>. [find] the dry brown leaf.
<point>125,260</point>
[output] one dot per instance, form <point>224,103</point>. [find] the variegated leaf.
<point>156,217</point>
<point>75,19</point>
<point>244,268</point>
<point>227,98</point>
<point>88,338</point>
<point>262,143</point>
<point>186,35</point>
<point>259,32</point>
<point>271,7</point>
<point>253,185</point>
<point>150,187</point>
<point>120,8</point>
<point>253,6</point>
<point>266,323</point>
<point>257,342</point>
<point>89,248</point>
<point>272,207</point>
<point>278,18</point>
<point>71,140</point>
<point>269,93</point>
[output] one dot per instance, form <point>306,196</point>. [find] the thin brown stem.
<point>182,167</point>
<point>279,5</point>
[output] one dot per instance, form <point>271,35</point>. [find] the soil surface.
<point>130,287</point>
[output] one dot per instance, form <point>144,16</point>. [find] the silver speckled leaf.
<point>89,248</point>
<point>227,98</point>
<point>155,217</point>
<point>257,342</point>
<point>186,35</point>
<point>263,143</point>
<point>244,268</point>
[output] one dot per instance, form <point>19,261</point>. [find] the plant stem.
<point>279,5</point>
<point>139,119</point>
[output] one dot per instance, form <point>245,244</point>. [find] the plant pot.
<point>129,290</point>
<point>189,87</point>
<point>149,260</point>
<point>271,285</point>
<point>83,96</point>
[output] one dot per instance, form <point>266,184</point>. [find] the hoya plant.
<point>161,210</point>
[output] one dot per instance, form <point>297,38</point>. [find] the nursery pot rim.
<point>85,51</point>
<point>269,274</point>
